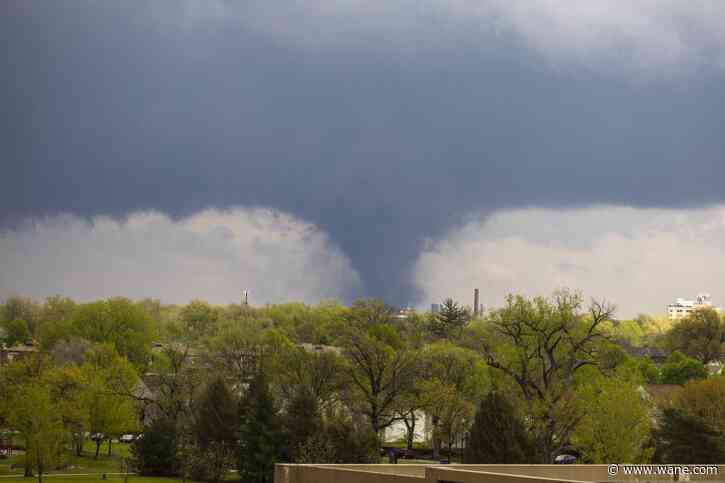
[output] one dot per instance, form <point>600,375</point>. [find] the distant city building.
<point>682,308</point>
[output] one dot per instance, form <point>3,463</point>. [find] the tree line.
<point>213,388</point>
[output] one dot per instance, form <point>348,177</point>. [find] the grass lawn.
<point>87,463</point>
<point>89,479</point>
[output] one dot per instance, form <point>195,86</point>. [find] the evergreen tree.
<point>258,433</point>
<point>686,439</point>
<point>497,434</point>
<point>450,320</point>
<point>302,421</point>
<point>216,414</point>
<point>216,434</point>
<point>154,454</point>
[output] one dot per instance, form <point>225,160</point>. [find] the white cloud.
<point>640,34</point>
<point>212,255</point>
<point>639,259</point>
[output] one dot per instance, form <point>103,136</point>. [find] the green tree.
<point>541,344</point>
<point>37,419</point>
<point>117,321</point>
<point>704,399</point>
<point>451,319</point>
<point>200,318</point>
<point>448,410</point>
<point>313,372</point>
<point>303,422</point>
<point>498,434</point>
<point>452,377</point>
<point>678,369</point>
<point>616,422</point>
<point>380,367</point>
<point>236,348</point>
<point>259,433</point>
<point>155,454</point>
<point>700,335</point>
<point>16,332</point>
<point>54,325</point>
<point>110,412</point>
<point>22,308</point>
<point>68,390</point>
<point>16,375</point>
<point>216,432</point>
<point>216,414</point>
<point>686,439</point>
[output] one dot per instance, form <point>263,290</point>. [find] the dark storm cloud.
<point>110,109</point>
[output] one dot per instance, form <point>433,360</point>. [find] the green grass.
<point>87,463</point>
<point>90,479</point>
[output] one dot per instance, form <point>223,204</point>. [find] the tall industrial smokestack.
<point>475,301</point>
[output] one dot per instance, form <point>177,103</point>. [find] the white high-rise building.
<point>682,308</point>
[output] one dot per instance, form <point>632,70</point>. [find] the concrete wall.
<point>457,474</point>
<point>403,473</point>
<point>348,474</point>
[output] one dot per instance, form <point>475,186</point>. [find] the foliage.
<point>16,332</point>
<point>199,318</point>
<point>648,370</point>
<point>678,369</point>
<point>71,352</point>
<point>21,308</point>
<point>237,348</point>
<point>379,366</point>
<point>700,335</point>
<point>68,390</point>
<point>450,321</point>
<point>216,410</point>
<point>307,324</point>
<point>352,441</point>
<point>34,415</point>
<point>119,322</point>
<point>316,449</point>
<point>541,344</point>
<point>154,454</point>
<point>209,463</point>
<point>320,383</point>
<point>317,373</point>
<point>455,377</point>
<point>55,316</point>
<point>615,425</point>
<point>687,439</point>
<point>175,384</point>
<point>498,435</point>
<point>631,332</point>
<point>302,422</point>
<point>259,433</point>
<point>110,414</point>
<point>704,399</point>
<point>212,454</point>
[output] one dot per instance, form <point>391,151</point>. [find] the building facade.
<point>682,307</point>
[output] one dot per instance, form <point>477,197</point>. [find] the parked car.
<point>127,438</point>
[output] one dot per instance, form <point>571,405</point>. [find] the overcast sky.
<point>408,149</point>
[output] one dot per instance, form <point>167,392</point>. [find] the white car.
<point>127,438</point>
